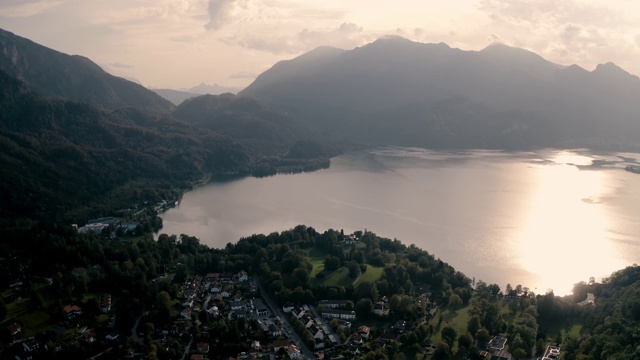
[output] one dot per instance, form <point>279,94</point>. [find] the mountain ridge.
<point>355,87</point>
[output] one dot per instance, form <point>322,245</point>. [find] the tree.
<point>364,308</point>
<point>483,335</point>
<point>465,340</point>
<point>301,276</point>
<point>331,263</point>
<point>455,302</point>
<point>164,307</point>
<point>449,335</point>
<point>473,325</point>
<point>442,352</point>
<point>3,310</point>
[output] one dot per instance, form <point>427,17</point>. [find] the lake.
<point>544,219</point>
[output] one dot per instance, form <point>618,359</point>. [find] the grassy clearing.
<point>457,320</point>
<point>572,332</point>
<point>35,322</point>
<point>339,278</point>
<point>372,274</point>
<point>317,260</point>
<point>17,307</point>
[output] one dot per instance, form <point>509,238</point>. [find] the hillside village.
<point>188,313</point>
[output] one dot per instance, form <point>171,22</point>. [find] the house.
<point>356,339</point>
<point>255,344</point>
<point>237,305</point>
<point>72,311</point>
<point>501,355</point>
<point>203,348</point>
<point>399,327</point>
<point>226,291</point>
<point>551,353</point>
<point>243,276</point>
<point>186,313</point>
<point>214,311</point>
<point>240,313</point>
<point>497,343</point>
<point>287,307</point>
<point>319,355</point>
<point>380,308</point>
<point>280,344</point>
<point>14,329</point>
<point>274,331</point>
<point>30,345</point>
<point>353,349</point>
<point>364,331</point>
<point>297,312</point>
<point>316,332</point>
<point>238,296</point>
<point>349,240</point>
<point>387,336</point>
<point>306,321</point>
<point>293,352</point>
<point>89,336</point>
<point>340,314</point>
<point>105,303</point>
<point>335,304</point>
<point>215,287</point>
<point>212,277</point>
<point>590,300</point>
<point>112,336</point>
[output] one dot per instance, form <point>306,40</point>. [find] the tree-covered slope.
<point>52,73</point>
<point>59,156</point>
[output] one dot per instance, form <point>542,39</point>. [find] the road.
<point>186,349</point>
<point>277,311</point>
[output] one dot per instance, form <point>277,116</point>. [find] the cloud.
<point>243,75</point>
<point>568,31</point>
<point>120,65</point>
<point>345,36</point>
<point>27,8</point>
<point>220,12</point>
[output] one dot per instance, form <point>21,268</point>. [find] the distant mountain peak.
<point>610,68</point>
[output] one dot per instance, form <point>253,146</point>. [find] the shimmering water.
<point>545,220</point>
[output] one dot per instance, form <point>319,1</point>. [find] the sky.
<point>182,43</point>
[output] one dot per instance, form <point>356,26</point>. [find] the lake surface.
<point>544,219</point>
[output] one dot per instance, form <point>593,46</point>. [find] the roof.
<point>498,342</point>
<point>72,308</point>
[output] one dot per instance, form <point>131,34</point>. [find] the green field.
<point>35,322</point>
<point>372,274</point>
<point>457,320</point>
<point>317,260</point>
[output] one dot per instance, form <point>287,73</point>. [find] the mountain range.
<point>178,96</point>
<point>76,141</point>
<point>395,91</point>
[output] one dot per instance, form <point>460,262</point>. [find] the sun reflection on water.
<point>564,238</point>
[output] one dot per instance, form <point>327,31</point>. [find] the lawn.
<point>317,260</point>
<point>17,307</point>
<point>35,322</point>
<point>457,320</point>
<point>372,274</point>
<point>339,277</point>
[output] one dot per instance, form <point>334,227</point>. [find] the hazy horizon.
<point>178,44</point>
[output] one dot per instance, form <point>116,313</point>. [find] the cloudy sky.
<point>181,43</point>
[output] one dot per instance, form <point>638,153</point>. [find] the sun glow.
<point>564,239</point>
